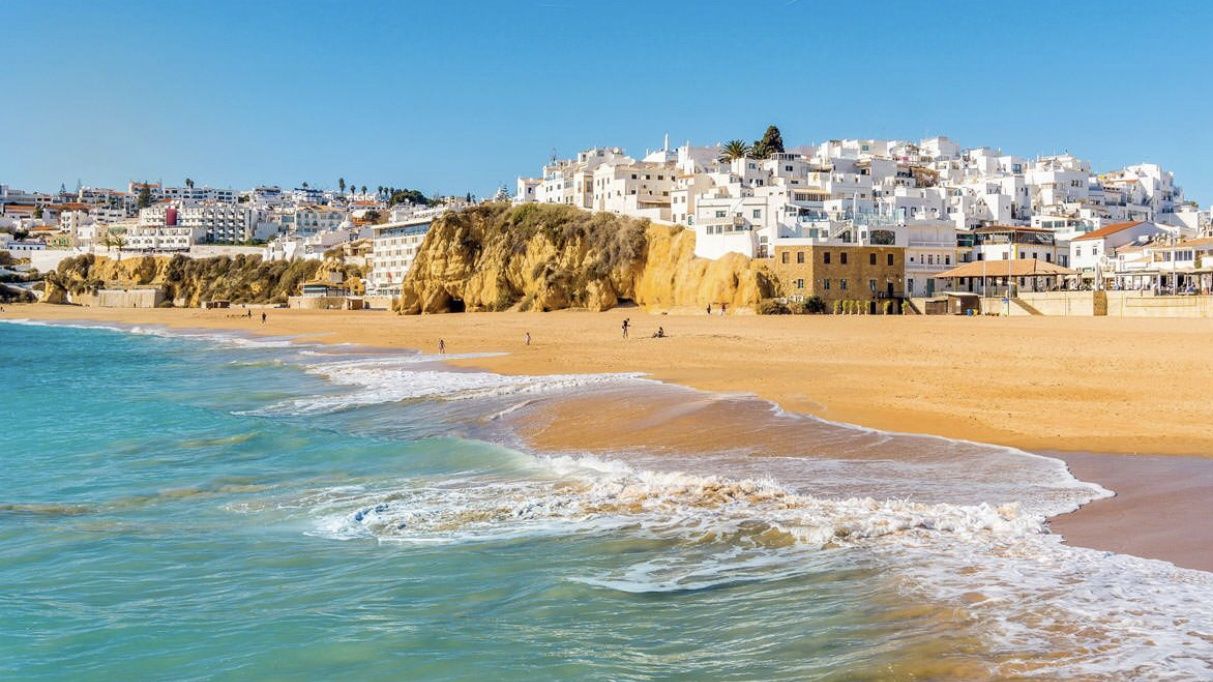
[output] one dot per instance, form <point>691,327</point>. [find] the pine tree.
<point>771,143</point>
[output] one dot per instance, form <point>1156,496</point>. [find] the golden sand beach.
<point>1083,385</point>
<point>1117,385</point>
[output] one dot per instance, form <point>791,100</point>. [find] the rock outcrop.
<point>544,257</point>
<point>189,282</point>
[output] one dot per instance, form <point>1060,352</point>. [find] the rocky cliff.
<point>189,282</point>
<point>543,257</point>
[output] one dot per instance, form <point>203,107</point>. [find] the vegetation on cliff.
<point>548,257</point>
<point>239,279</point>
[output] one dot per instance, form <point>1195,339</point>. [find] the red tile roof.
<point>1107,230</point>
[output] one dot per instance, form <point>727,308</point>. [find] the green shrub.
<point>814,306</point>
<point>771,306</point>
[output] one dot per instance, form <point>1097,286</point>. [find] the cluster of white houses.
<point>304,223</point>
<point>969,219</point>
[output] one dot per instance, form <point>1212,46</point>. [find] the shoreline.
<point>1141,486</point>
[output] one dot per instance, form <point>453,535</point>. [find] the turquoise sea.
<point>206,506</point>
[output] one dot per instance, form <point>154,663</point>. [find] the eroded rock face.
<point>239,279</point>
<point>542,257</point>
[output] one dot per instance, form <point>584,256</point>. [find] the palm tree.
<point>734,149</point>
<point>189,183</point>
<point>364,189</point>
<point>341,185</point>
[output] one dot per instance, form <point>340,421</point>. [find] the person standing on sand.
<point>625,327</point>
<point>441,346</point>
<point>528,338</point>
<point>709,310</point>
<point>262,317</point>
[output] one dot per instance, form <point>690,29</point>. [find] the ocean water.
<point>207,506</point>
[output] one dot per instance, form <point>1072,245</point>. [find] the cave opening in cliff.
<point>456,305</point>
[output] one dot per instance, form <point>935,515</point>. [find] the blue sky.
<point>457,96</point>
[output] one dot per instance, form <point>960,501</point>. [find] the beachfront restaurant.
<point>1005,277</point>
<point>1168,269</point>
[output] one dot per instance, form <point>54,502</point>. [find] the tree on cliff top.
<point>145,196</point>
<point>412,196</point>
<point>771,143</point>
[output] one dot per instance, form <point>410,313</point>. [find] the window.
<point>947,260</point>
<point>889,258</point>
<point>720,214</point>
<point>783,257</point>
<point>843,260</point>
<point>800,256</point>
<point>800,284</point>
<point>842,284</point>
<point>757,213</point>
<point>825,258</point>
<point>825,284</point>
<point>871,259</point>
<point>872,285</point>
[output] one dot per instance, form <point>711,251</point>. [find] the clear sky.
<point>455,96</point>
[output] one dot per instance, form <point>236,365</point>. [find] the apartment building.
<point>394,246</point>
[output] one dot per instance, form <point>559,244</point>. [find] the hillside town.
<point>891,219</point>
<point>876,225</point>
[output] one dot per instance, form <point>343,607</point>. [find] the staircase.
<point>1025,306</point>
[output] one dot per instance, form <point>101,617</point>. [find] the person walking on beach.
<point>441,346</point>
<point>625,327</point>
<point>262,317</point>
<point>709,310</point>
<point>528,338</point>
<point>723,307</point>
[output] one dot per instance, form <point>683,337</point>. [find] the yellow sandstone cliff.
<point>544,257</point>
<point>189,282</point>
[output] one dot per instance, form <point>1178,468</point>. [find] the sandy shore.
<point>1063,385</point>
<point>1161,509</point>
<point>1117,385</point>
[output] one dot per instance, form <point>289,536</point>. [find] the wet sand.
<point>1163,507</point>
<point>1077,385</point>
<point>1124,385</point>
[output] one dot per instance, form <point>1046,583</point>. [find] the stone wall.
<point>1135,304</point>
<point>141,297</point>
<point>1058,303</point>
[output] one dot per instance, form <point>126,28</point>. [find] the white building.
<point>1092,253</point>
<point>227,223</point>
<point>930,249</point>
<point>308,219</point>
<point>394,246</point>
<point>200,194</point>
<point>173,238</point>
